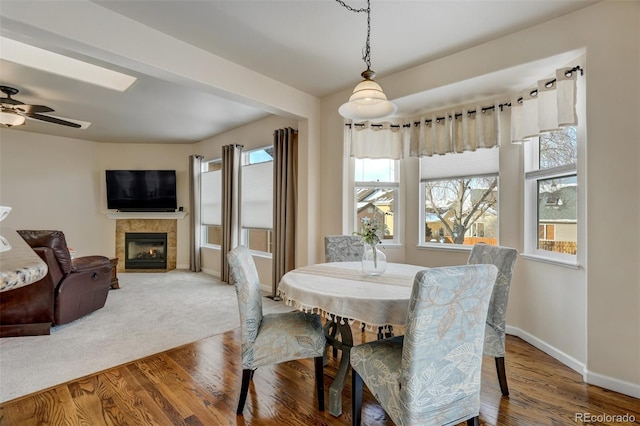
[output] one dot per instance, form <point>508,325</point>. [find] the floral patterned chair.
<point>504,258</point>
<point>431,375</point>
<point>348,248</point>
<point>271,338</point>
<point>343,248</point>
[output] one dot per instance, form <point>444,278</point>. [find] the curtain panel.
<point>548,106</point>
<point>375,140</point>
<point>231,184</point>
<point>285,201</point>
<point>195,168</point>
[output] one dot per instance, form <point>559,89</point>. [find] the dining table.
<point>344,295</point>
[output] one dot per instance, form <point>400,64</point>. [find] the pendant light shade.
<point>368,101</point>
<point>10,119</point>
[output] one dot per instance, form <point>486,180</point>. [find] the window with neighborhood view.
<point>376,195</point>
<point>459,195</point>
<point>551,192</point>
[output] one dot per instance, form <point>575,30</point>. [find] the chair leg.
<point>474,421</point>
<point>247,375</point>
<point>356,398</point>
<point>319,367</point>
<point>502,375</point>
<point>389,332</point>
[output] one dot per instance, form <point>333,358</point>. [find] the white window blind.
<point>464,164</point>
<point>257,195</point>
<point>211,198</point>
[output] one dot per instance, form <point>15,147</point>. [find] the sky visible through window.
<point>374,170</point>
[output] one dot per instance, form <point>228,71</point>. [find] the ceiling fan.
<point>13,111</point>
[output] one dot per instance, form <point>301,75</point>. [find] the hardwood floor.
<point>198,384</point>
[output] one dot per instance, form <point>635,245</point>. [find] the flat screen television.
<point>141,190</point>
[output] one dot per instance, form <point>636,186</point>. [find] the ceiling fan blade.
<point>10,101</point>
<point>53,120</point>
<point>32,109</point>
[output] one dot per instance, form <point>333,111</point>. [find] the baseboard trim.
<point>610,383</point>
<point>589,377</point>
<point>567,360</point>
<point>211,272</point>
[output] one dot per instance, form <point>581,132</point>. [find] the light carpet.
<point>150,313</point>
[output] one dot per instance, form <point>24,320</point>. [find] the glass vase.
<point>374,262</point>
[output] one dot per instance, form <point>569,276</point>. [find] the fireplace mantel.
<point>144,215</point>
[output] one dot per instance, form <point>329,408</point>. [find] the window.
<point>459,198</point>
<point>377,195</point>
<point>257,199</point>
<point>211,199</point>
<point>551,191</point>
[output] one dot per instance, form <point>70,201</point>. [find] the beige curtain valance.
<point>547,106</point>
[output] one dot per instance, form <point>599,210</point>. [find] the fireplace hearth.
<point>145,250</point>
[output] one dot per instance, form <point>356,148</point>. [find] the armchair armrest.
<point>90,263</point>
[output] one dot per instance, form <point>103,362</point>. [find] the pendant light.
<point>368,101</point>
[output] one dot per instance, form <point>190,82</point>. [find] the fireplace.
<point>145,250</point>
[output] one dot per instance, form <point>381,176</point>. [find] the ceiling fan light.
<point>10,119</point>
<point>367,102</point>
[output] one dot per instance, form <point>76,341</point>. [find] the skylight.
<point>35,57</point>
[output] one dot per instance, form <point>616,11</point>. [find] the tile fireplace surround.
<point>147,225</point>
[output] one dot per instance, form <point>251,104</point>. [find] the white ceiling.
<point>312,45</point>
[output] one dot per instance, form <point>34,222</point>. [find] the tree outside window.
<point>461,210</point>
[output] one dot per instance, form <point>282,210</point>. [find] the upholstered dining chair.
<point>272,338</point>
<point>343,248</point>
<point>347,248</point>
<point>504,258</point>
<point>431,374</point>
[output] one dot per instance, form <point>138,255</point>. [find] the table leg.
<point>344,345</point>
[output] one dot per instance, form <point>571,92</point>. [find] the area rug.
<point>150,313</point>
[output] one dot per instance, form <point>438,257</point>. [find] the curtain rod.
<point>533,93</point>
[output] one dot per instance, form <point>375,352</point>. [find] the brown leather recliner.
<point>71,289</point>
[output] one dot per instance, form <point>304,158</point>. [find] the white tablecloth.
<point>342,289</point>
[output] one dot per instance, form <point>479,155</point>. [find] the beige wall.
<point>53,182</point>
<point>586,317</point>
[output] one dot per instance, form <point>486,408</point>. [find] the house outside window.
<point>459,198</point>
<point>257,200</point>
<point>376,194</point>
<point>551,194</point>
<point>211,199</point>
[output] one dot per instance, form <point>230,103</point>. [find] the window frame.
<point>422,243</point>
<point>245,232</point>
<point>353,223</point>
<point>204,227</point>
<point>532,176</point>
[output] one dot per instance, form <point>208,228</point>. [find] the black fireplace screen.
<point>145,250</point>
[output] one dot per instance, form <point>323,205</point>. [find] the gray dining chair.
<point>431,374</point>
<point>343,248</point>
<point>272,338</point>
<point>504,258</point>
<point>349,248</point>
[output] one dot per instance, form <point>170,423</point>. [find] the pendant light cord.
<point>366,57</point>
